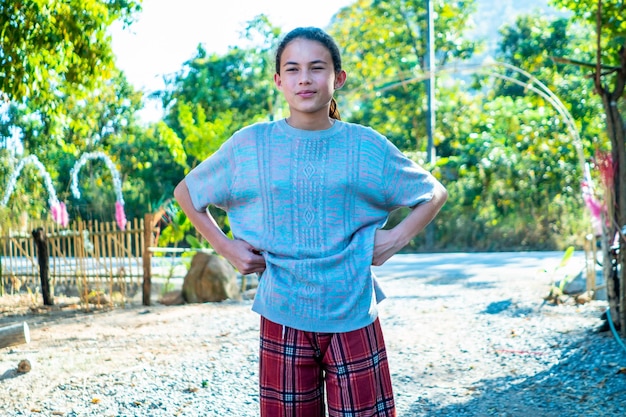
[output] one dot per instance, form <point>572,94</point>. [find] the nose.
<point>305,77</point>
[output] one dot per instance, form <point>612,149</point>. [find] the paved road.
<point>486,266</point>
<point>513,264</point>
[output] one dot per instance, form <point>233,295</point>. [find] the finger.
<point>252,269</point>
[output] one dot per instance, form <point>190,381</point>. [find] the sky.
<point>167,33</point>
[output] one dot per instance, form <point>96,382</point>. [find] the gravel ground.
<point>467,335</point>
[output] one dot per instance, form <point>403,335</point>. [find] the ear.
<point>277,80</point>
<point>340,79</point>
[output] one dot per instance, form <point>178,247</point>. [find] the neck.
<point>310,123</point>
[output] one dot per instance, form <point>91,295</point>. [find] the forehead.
<point>302,51</point>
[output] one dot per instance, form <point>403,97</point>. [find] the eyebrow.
<point>317,61</point>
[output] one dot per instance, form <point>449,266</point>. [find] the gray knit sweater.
<point>311,202</point>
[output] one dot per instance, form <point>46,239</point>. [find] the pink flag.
<point>595,207</point>
<point>59,213</point>
<point>120,216</point>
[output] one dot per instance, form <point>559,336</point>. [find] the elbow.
<point>441,193</point>
<point>444,195</point>
<point>180,190</point>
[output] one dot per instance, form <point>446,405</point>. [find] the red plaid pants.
<point>296,366</point>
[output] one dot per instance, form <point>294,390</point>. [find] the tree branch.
<point>598,78</point>
<point>610,68</point>
<point>620,83</point>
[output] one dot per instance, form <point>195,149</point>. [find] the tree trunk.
<point>41,242</point>
<point>15,334</point>
<point>622,303</point>
<point>620,142</point>
<point>617,213</point>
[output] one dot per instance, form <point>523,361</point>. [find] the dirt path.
<point>466,335</point>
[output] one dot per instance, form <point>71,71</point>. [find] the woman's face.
<point>307,78</point>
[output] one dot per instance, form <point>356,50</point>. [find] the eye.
<point>291,69</point>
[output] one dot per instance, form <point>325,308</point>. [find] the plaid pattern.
<point>295,364</point>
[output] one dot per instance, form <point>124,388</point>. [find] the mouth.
<point>306,93</point>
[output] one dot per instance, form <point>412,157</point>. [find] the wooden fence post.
<point>43,258</point>
<point>147,258</point>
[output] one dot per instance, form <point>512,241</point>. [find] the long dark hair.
<point>318,35</point>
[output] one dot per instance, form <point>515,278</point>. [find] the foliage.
<point>532,44</point>
<point>389,55</point>
<point>613,20</point>
<point>504,153</point>
<point>512,180</point>
<point>152,161</point>
<point>213,96</point>
<point>608,71</point>
<point>66,98</point>
<point>73,101</point>
<point>538,175</point>
<point>52,48</point>
<point>180,230</point>
<point>100,120</point>
<point>202,137</point>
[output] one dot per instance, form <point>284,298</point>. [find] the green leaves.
<point>503,151</point>
<point>384,53</point>
<point>202,136</point>
<point>213,95</point>
<point>49,47</point>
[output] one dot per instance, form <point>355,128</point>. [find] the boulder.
<point>210,278</point>
<point>172,298</point>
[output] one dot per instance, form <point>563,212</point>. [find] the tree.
<point>51,47</point>
<point>215,95</point>
<point>65,95</point>
<point>609,79</point>
<point>384,49</point>
<point>99,121</point>
<point>153,161</point>
<point>504,160</point>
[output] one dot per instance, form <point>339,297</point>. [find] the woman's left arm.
<point>388,242</point>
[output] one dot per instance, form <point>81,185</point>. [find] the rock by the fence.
<point>172,298</point>
<point>585,297</point>
<point>209,279</point>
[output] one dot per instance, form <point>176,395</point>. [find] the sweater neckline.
<point>310,134</point>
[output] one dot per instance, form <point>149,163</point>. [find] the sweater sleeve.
<point>406,184</point>
<point>210,182</point>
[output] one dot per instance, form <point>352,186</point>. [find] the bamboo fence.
<point>88,257</point>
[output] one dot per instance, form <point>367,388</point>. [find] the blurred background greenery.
<point>510,161</point>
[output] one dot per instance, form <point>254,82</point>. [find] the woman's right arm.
<point>239,253</point>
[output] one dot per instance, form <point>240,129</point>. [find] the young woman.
<point>306,198</point>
